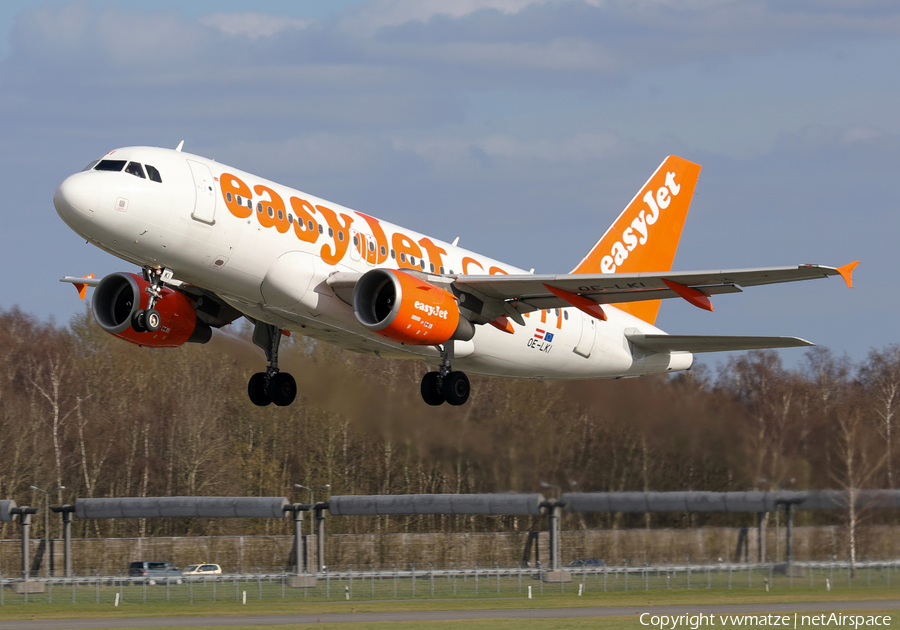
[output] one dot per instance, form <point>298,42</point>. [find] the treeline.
<point>81,409</point>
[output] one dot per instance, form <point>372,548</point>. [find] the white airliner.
<point>215,243</point>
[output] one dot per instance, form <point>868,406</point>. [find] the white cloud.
<point>559,55</point>
<point>443,151</point>
<point>252,25</point>
<point>381,13</point>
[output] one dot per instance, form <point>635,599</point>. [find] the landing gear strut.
<point>149,320</point>
<point>445,384</point>
<point>271,386</point>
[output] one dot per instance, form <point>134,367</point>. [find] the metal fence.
<point>359,584</point>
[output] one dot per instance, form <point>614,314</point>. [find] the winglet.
<point>847,272</point>
<point>81,287</point>
<point>580,302</point>
<point>690,294</point>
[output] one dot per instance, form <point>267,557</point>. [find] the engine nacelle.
<point>120,295</point>
<point>402,308</point>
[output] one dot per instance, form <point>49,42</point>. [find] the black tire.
<point>431,389</point>
<point>456,388</point>
<point>137,321</point>
<point>257,391</point>
<point>152,320</point>
<point>282,389</point>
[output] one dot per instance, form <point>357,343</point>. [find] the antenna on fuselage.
<point>180,144</point>
<point>455,241</point>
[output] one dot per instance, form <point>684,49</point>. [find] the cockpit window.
<point>90,166</point>
<point>135,169</point>
<point>110,165</point>
<point>153,174</point>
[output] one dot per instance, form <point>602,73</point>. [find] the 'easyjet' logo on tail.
<point>644,237</point>
<point>639,231</point>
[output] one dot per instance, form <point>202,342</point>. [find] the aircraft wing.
<point>81,284</point>
<point>584,290</point>
<point>497,296</point>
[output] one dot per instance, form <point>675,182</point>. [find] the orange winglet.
<point>82,288</point>
<point>582,303</point>
<point>503,323</point>
<point>693,296</point>
<point>847,272</point>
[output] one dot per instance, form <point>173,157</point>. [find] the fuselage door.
<point>357,243</point>
<point>205,200</point>
<point>585,344</point>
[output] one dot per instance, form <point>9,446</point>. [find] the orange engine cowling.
<point>402,308</point>
<point>120,295</point>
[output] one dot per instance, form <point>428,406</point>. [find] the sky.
<point>521,126</point>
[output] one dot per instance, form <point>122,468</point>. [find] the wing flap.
<point>712,343</point>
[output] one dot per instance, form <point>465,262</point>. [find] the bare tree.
<point>880,375</point>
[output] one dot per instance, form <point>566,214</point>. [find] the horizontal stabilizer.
<point>711,343</point>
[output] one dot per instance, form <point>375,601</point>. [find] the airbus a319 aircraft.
<point>215,243</point>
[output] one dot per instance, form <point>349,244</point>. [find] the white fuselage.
<point>270,270</point>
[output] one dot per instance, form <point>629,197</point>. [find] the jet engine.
<point>402,308</point>
<point>120,295</point>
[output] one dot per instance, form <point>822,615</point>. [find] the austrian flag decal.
<point>542,335</point>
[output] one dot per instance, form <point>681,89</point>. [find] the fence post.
<point>432,578</point>
<point>453,565</point>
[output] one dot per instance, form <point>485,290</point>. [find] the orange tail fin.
<point>645,236</point>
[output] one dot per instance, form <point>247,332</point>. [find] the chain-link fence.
<point>358,583</point>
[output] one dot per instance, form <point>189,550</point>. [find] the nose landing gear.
<point>445,385</point>
<point>271,386</point>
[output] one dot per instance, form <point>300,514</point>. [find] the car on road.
<point>201,570</point>
<point>587,562</point>
<point>155,572</point>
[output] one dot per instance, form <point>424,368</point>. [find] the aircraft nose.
<point>77,197</point>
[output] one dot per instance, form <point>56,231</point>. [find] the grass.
<point>547,600</point>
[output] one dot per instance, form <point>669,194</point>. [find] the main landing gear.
<point>149,320</point>
<point>445,384</point>
<point>271,386</point>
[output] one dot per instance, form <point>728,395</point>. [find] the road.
<point>448,615</point>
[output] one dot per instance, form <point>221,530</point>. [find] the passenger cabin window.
<point>136,169</point>
<point>110,165</point>
<point>153,174</point>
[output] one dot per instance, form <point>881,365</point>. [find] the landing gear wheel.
<point>431,389</point>
<point>152,320</point>
<point>456,388</point>
<point>137,321</point>
<point>256,389</point>
<point>282,389</point>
